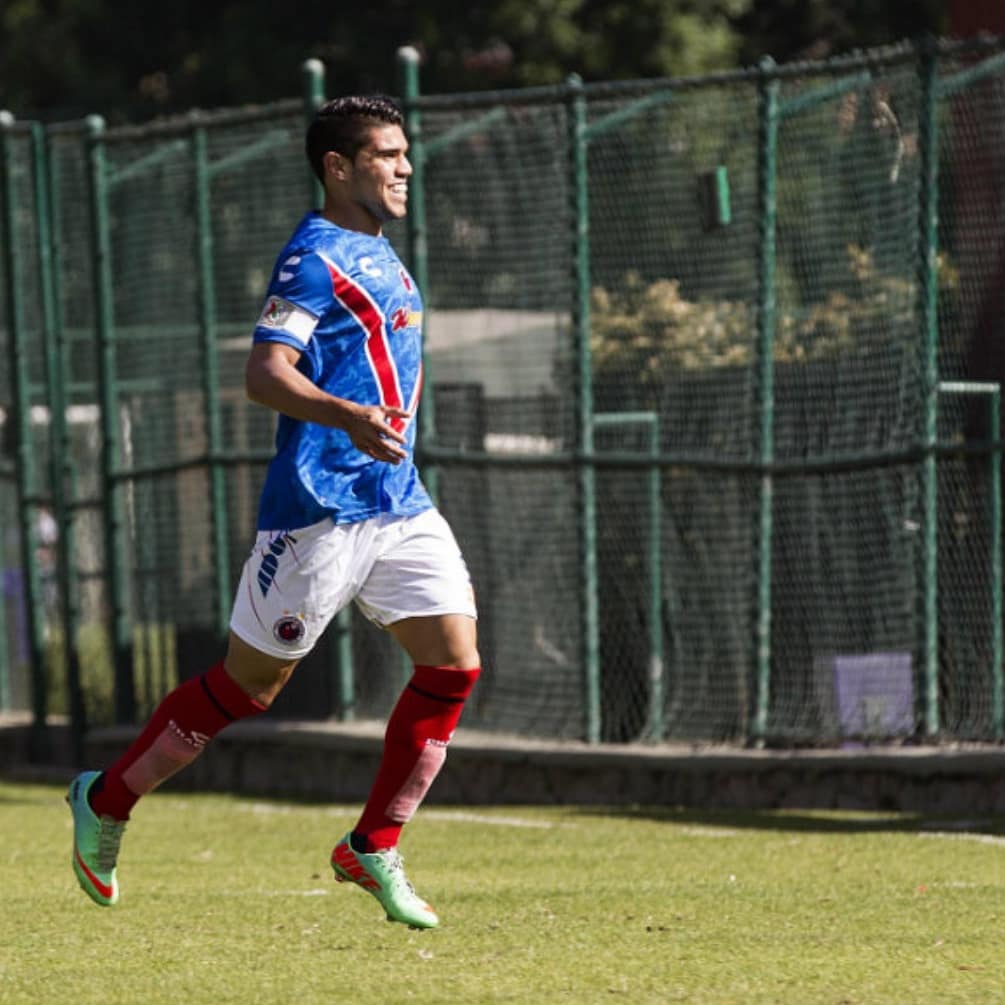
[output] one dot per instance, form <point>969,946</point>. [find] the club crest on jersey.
<point>276,313</point>
<point>289,629</point>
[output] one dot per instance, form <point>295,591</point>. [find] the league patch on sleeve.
<point>280,315</point>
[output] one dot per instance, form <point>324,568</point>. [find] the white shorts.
<point>295,582</point>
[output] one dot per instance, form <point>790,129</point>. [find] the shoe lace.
<point>396,864</point>
<point>109,838</point>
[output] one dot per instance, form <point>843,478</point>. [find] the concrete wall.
<point>335,763</point>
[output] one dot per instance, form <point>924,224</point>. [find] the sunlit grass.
<point>232,900</point>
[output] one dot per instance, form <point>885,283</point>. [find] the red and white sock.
<point>174,736</point>
<point>415,747</point>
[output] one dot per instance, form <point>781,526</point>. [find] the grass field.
<point>230,900</point>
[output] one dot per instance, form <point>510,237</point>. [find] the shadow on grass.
<point>804,821</point>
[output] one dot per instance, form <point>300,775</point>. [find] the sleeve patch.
<point>281,315</point>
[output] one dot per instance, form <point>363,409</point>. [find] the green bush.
<point>652,329</point>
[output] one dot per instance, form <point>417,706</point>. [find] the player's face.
<point>379,177</point>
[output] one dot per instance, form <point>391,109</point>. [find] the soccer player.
<point>337,352</point>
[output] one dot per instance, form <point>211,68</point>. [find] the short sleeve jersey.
<point>347,303</point>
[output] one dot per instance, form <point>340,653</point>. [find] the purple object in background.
<point>875,694</point>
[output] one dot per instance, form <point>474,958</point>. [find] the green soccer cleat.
<point>95,843</point>
<point>382,873</point>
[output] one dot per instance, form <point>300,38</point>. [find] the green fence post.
<point>997,640</point>
<point>6,123</point>
<point>578,183</point>
<point>418,255</point>
<point>343,666</point>
<point>417,229</point>
<point>59,442</point>
<point>928,240</point>
<point>313,81</point>
<point>767,194</point>
<point>113,516</point>
<point>657,663</point>
<point>63,471</point>
<point>25,471</point>
<point>650,422</point>
<point>211,375</point>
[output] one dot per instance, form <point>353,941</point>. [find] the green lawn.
<point>232,900</point>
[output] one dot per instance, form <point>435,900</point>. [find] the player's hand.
<point>372,434</point>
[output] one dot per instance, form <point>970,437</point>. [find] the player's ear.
<point>336,165</point>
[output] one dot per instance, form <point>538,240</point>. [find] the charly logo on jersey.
<point>286,270</point>
<point>368,268</point>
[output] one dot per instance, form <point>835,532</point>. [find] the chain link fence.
<point>712,400</point>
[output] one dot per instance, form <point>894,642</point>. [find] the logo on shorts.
<point>270,560</point>
<point>289,630</point>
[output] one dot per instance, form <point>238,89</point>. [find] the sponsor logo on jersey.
<point>403,318</point>
<point>367,267</point>
<point>406,280</point>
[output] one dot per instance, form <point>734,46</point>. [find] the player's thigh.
<point>445,640</point>
<point>294,582</point>
<point>419,573</point>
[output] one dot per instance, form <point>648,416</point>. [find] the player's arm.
<point>271,378</point>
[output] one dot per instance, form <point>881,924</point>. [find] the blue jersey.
<point>346,302</point>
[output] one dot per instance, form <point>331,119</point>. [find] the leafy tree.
<point>133,61</point>
<point>816,29</point>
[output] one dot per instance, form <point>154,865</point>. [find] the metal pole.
<point>343,666</point>
<point>928,239</point>
<point>59,441</point>
<point>211,377</point>
<point>112,508</point>
<point>654,559</point>
<point>584,408</point>
<point>24,449</point>
<point>418,254</point>
<point>64,473</point>
<point>997,641</point>
<point>657,682</point>
<point>418,247</point>
<point>767,192</point>
<point>313,80</point>
<point>6,123</point>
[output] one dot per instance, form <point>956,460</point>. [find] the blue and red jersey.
<point>347,303</point>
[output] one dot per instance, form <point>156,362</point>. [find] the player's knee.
<point>260,676</point>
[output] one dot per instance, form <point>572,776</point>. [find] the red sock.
<point>415,746</point>
<point>181,726</point>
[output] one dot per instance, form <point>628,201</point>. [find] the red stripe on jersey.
<point>378,350</point>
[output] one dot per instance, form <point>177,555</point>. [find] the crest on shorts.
<point>289,629</point>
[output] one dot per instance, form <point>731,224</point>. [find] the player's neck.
<point>351,216</point>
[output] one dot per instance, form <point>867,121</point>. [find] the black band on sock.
<point>447,700</point>
<point>216,704</point>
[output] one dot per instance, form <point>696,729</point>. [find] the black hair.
<point>342,125</point>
